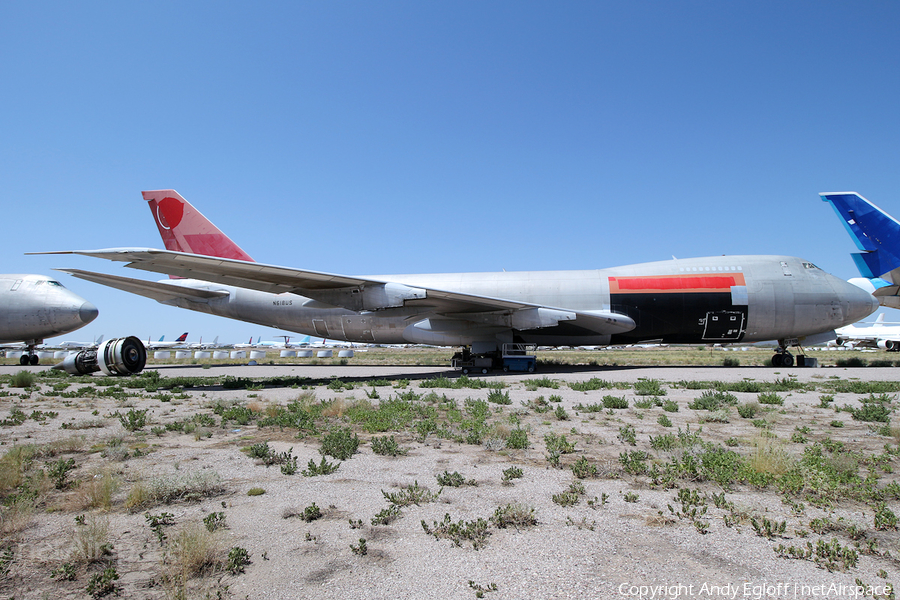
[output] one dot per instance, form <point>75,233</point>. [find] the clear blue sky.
<point>407,137</point>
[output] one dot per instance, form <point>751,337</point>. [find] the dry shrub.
<point>845,464</point>
<point>75,443</point>
<point>98,491</point>
<point>257,407</point>
<point>138,496</point>
<point>90,542</point>
<point>334,408</point>
<point>88,424</point>
<point>165,489</point>
<point>659,520</point>
<point>769,456</point>
<point>194,551</point>
<point>514,515</point>
<point>13,466</point>
<point>306,398</point>
<point>16,516</point>
<point>501,430</point>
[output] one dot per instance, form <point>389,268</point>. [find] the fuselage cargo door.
<point>724,326</point>
<point>321,328</point>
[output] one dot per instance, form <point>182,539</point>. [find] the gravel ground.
<point>616,549</point>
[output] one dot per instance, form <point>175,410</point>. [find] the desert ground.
<point>592,481</point>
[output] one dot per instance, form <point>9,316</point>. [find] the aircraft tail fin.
<point>182,337</point>
<point>877,234</point>
<point>874,231</point>
<point>183,228</point>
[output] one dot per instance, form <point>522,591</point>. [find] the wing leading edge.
<point>161,292</point>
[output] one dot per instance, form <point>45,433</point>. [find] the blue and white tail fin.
<point>877,235</point>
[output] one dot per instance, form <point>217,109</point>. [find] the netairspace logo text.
<point>753,591</point>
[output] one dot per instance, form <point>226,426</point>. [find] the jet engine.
<point>889,345</point>
<point>121,356</point>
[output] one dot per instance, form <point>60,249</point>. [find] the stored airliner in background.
<point>203,346</point>
<point>34,307</point>
<point>719,299</point>
<point>179,342</point>
<point>76,345</point>
<point>879,334</point>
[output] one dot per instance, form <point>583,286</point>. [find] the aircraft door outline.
<point>724,325</point>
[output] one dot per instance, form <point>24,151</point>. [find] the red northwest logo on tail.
<point>184,229</point>
<point>169,212</point>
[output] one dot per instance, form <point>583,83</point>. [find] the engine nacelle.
<point>121,356</point>
<point>889,345</point>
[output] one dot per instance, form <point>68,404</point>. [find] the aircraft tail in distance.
<point>874,231</point>
<point>877,234</point>
<point>182,337</point>
<point>183,228</point>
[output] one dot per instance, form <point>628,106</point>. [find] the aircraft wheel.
<point>35,359</point>
<point>776,361</point>
<point>787,360</point>
<point>23,360</point>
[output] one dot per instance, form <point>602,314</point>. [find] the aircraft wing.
<point>161,292</point>
<point>253,275</point>
<point>353,293</point>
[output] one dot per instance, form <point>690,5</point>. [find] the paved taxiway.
<point>617,373</point>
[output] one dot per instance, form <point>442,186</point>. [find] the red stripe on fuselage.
<point>675,283</point>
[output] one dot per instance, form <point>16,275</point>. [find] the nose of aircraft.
<point>858,302</point>
<point>88,312</point>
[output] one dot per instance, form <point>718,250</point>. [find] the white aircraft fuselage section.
<point>35,307</point>
<point>699,300</point>
<point>721,299</point>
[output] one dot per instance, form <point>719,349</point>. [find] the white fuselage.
<point>700,300</point>
<point>35,307</point>
<point>876,335</point>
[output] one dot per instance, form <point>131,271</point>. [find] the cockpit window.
<point>809,265</point>
<point>56,283</point>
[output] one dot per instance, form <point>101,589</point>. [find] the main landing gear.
<point>29,358</point>
<point>783,358</point>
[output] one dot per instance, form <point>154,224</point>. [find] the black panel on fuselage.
<point>674,318</point>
